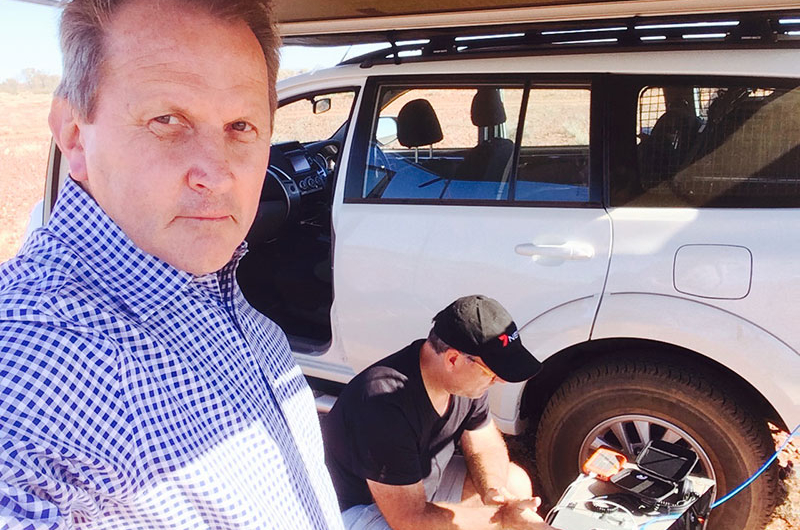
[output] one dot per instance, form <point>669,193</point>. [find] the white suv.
<point>629,189</point>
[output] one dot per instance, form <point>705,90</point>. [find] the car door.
<point>490,185</point>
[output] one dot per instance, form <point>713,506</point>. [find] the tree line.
<point>33,81</point>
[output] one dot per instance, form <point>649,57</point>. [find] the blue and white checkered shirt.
<point>134,395</point>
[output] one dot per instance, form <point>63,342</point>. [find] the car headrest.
<point>417,124</point>
<point>487,108</point>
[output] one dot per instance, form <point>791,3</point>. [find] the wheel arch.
<point>676,329</point>
<point>559,366</point>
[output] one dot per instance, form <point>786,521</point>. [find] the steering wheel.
<point>277,206</point>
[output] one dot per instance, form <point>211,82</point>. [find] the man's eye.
<point>241,126</point>
<point>167,119</point>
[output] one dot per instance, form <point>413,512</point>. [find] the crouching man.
<point>391,438</point>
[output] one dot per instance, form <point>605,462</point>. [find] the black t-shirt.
<point>384,428</point>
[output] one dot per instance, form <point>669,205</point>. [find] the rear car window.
<point>718,146</point>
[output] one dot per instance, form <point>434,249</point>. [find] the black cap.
<point>480,326</point>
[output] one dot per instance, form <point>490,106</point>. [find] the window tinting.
<point>443,143</point>
<point>459,143</point>
<point>554,154</point>
<point>718,146</point>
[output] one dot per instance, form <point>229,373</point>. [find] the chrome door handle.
<point>567,251</point>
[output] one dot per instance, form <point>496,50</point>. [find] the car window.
<point>313,118</point>
<point>448,144</point>
<point>554,153</point>
<point>703,145</point>
<point>443,143</point>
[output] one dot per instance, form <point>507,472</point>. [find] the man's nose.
<point>210,169</point>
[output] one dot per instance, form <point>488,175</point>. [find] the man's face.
<point>178,145</point>
<point>471,377</point>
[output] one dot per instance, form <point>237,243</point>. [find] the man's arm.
<point>21,510</point>
<point>44,375</point>
<point>487,460</point>
<point>406,508</point>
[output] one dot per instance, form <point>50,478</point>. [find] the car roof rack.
<point>720,30</point>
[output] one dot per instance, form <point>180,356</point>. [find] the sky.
<point>29,39</point>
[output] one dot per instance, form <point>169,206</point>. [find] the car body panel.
<point>766,362</point>
<point>396,267</point>
<point>751,335</point>
<point>647,241</point>
<point>546,335</point>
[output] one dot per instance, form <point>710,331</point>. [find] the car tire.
<point>707,413</point>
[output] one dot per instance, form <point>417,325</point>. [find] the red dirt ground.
<point>24,146</point>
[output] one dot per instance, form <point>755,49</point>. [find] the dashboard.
<point>297,187</point>
<point>308,166</point>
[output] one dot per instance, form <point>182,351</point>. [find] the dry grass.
<point>24,146</point>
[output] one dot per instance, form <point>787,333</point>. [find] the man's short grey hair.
<point>438,345</point>
<point>83,26</point>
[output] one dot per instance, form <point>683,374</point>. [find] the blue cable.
<point>738,488</point>
<point>659,519</point>
<point>749,481</point>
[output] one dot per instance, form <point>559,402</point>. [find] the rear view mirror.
<point>322,105</point>
<point>387,130</point>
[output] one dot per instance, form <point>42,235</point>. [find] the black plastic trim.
<point>480,202</point>
<point>523,112</point>
<point>56,178</point>
<point>755,29</point>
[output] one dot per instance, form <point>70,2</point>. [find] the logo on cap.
<point>505,338</point>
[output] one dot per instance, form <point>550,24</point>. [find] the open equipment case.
<point>656,492</point>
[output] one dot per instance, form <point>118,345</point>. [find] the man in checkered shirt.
<point>138,389</point>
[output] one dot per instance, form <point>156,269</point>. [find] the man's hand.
<point>406,508</point>
<point>497,496</point>
<point>520,515</point>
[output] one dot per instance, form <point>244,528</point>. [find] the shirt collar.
<point>135,279</point>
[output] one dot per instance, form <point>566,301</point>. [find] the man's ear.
<point>65,124</point>
<point>450,358</point>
